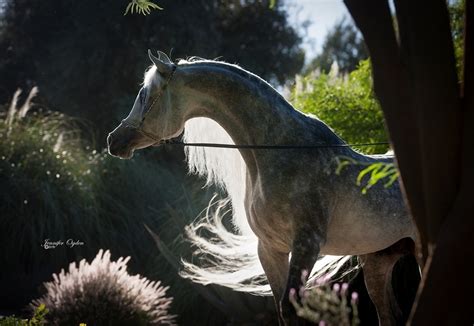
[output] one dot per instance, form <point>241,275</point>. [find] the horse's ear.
<point>164,68</point>
<point>163,56</point>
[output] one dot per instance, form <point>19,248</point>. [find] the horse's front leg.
<point>275,265</point>
<point>305,251</point>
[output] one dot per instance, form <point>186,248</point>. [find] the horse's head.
<point>154,117</point>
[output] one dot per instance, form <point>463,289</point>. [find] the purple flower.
<point>304,275</point>
<point>302,292</point>
<point>354,297</point>
<point>323,280</point>
<point>344,288</point>
<point>292,294</point>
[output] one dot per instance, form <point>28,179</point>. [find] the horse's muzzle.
<point>123,140</point>
<point>119,146</point>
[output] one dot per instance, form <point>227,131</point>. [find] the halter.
<point>139,127</point>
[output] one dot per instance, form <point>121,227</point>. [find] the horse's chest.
<point>270,222</point>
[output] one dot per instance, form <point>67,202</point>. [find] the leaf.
<point>342,165</point>
<point>365,171</point>
<point>141,7</point>
<point>128,8</point>
<point>392,178</point>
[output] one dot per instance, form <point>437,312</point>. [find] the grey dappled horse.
<point>283,201</point>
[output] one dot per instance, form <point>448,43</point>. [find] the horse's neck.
<point>245,109</point>
<point>250,111</point>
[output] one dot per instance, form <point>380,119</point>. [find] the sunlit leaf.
<point>141,7</point>
<point>376,172</point>
<point>368,169</point>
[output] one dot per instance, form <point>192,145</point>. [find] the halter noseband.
<point>139,127</point>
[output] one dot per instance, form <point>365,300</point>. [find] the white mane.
<point>225,168</point>
<point>221,166</point>
<point>150,76</point>
<point>236,264</point>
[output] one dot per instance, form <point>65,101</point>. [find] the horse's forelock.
<point>151,77</point>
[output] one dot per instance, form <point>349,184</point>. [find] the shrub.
<point>325,305</point>
<point>97,199</point>
<point>346,103</point>
<point>103,293</point>
<point>55,187</point>
<point>38,318</point>
<point>48,184</point>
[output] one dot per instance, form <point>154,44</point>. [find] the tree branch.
<point>417,88</point>
<point>429,51</point>
<point>392,86</point>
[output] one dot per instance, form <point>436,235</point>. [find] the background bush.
<point>99,55</point>
<point>346,103</point>
<point>56,186</point>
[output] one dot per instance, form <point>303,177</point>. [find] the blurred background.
<point>70,71</point>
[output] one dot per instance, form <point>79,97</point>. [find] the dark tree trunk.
<point>431,125</point>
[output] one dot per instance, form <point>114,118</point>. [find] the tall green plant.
<point>47,182</point>
<point>54,186</point>
<point>346,103</point>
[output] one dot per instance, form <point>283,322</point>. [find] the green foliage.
<point>100,55</point>
<point>48,183</point>
<point>346,103</point>
<point>375,171</point>
<point>143,7</point>
<point>102,201</point>
<point>55,187</point>
<point>38,318</point>
<point>456,14</point>
<point>344,45</point>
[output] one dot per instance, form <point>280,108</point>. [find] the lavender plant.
<point>325,305</point>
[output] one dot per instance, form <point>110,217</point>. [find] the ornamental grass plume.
<point>103,293</point>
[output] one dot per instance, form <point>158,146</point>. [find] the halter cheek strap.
<point>139,127</point>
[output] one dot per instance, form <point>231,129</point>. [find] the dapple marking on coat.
<point>283,201</point>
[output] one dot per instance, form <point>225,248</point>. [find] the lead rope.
<point>240,146</point>
<point>230,146</point>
